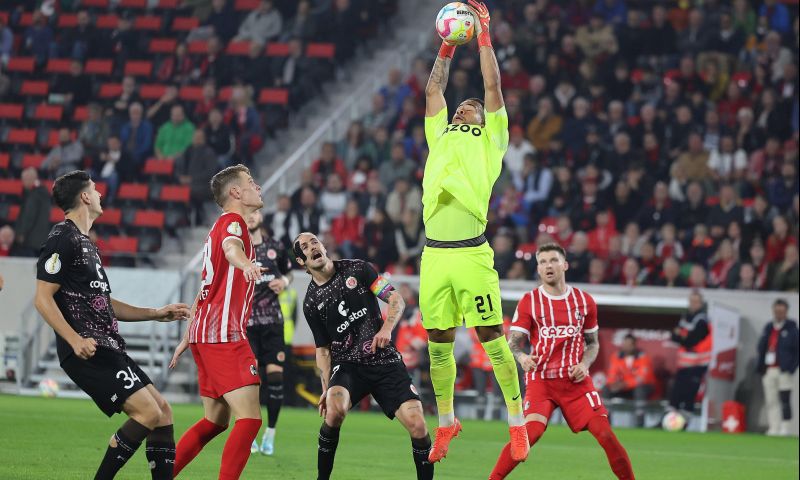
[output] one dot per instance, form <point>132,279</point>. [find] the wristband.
<point>484,39</point>
<point>446,50</point>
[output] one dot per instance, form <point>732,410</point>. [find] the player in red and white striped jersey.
<point>560,321</point>
<point>226,367</point>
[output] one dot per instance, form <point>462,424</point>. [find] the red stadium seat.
<point>238,48</point>
<point>168,4</point>
<point>4,17</point>
<point>185,24</point>
<point>247,5</point>
<point>80,114</point>
<point>121,245</point>
<point>225,94</point>
<point>133,191</point>
<point>58,65</point>
<point>110,90</point>
<point>152,91</point>
<point>139,68</point>
<point>275,49</point>
<point>320,50</point>
<point>154,166</point>
<point>101,187</point>
<point>21,136</point>
<point>175,193</point>
<point>107,21</point>
<point>162,45</point>
<point>110,216</point>
<point>20,64</point>
<point>67,20</point>
<point>10,186</point>
<point>26,19</point>
<point>48,185</point>
<point>190,93</point>
<point>34,88</point>
<point>11,111</point>
<point>47,112</point>
<point>5,161</point>
<point>94,3</point>
<point>275,96</point>
<point>133,3</point>
<point>56,215</point>
<point>149,219</point>
<point>99,67</point>
<point>198,47</point>
<point>13,213</point>
<point>33,160</point>
<point>147,22</point>
<point>52,137</point>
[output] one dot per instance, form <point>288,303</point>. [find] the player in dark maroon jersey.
<point>226,367</point>
<point>561,323</point>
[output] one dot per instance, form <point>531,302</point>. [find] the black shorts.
<point>108,377</point>
<point>390,385</point>
<point>267,344</point>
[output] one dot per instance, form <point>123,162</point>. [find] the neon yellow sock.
<point>505,370</point>
<point>443,378</point>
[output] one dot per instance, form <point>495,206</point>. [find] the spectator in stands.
<point>174,136</point>
<point>294,72</point>
<point>410,238</point>
<point>348,230</point>
<point>745,278</point>
<point>730,38</point>
<point>194,168</point>
<point>129,95</point>
<point>33,222</point>
<point>722,264</point>
<point>207,102</point>
<point>395,91</point>
<point>668,245</point>
<point>545,125</point>
<point>38,39</point>
<point>95,130</point>
<point>701,246</point>
<point>631,376</point>
<point>160,112</point>
<point>123,42</point>
<point>245,124</point>
<point>693,210</point>
<point>398,166</point>
<point>215,65</point>
<point>727,163</point>
<point>219,138</point>
<point>136,136</point>
<point>694,161</point>
<point>333,198</point>
<point>535,183</point>
<point>222,19</point>
<point>596,40</point>
<point>254,69</point>
<point>6,42</point>
<point>177,68</point>
<point>781,190</point>
<point>262,25</point>
<point>378,118</point>
<point>110,162</point>
<point>777,16</point>
<point>670,274</point>
<point>403,196</point>
<point>64,157</point>
<point>379,238</point>
<point>726,211</point>
<point>308,216</point>
<point>340,27</point>
<point>784,274</point>
<point>303,25</point>
<point>279,222</point>
<point>778,358</point>
<point>82,41</point>
<point>661,38</point>
<point>7,247</point>
<point>695,38</point>
<point>76,87</point>
<point>693,335</point>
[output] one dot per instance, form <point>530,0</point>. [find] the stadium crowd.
<point>657,143</point>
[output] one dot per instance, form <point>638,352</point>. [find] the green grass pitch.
<point>65,439</point>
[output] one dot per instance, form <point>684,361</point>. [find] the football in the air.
<point>455,23</point>
<point>48,387</point>
<point>673,422</point>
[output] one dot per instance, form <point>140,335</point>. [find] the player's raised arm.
<point>129,313</point>
<point>493,96</point>
<point>234,254</point>
<point>437,82</point>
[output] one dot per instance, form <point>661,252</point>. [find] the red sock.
<point>617,456</point>
<point>504,463</point>
<point>193,440</point>
<point>237,448</point>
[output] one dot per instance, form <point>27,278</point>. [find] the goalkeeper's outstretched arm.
<point>493,96</point>
<point>434,90</point>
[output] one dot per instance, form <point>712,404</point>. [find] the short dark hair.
<point>781,301</point>
<point>220,181</point>
<point>476,100</point>
<point>67,187</point>
<point>298,251</point>
<point>551,247</point>
<point>630,337</point>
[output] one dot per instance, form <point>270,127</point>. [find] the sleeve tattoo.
<point>591,350</point>
<point>516,340</point>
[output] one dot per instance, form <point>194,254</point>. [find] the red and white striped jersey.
<point>555,327</point>
<point>223,309</point>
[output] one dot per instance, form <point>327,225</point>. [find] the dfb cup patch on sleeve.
<point>235,229</point>
<point>53,264</point>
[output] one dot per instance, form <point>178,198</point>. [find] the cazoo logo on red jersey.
<point>559,331</point>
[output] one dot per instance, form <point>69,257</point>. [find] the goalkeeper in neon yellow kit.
<point>457,279</point>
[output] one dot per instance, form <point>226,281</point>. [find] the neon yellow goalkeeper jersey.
<point>463,163</point>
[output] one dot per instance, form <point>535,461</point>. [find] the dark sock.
<point>274,397</point>
<point>127,439</point>
<point>786,404</point>
<point>160,452</point>
<point>420,448</point>
<point>328,441</point>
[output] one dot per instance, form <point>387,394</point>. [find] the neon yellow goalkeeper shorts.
<point>458,285</point>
